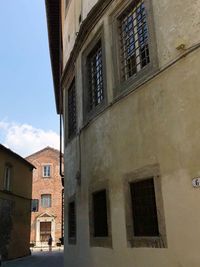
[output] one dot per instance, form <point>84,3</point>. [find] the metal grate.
<point>100,214</point>
<point>72,220</point>
<point>95,77</point>
<point>133,40</point>
<point>144,208</point>
<point>72,110</point>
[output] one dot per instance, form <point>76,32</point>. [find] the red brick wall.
<point>50,185</point>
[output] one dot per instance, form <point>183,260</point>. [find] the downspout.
<point>61,154</point>
<point>61,134</point>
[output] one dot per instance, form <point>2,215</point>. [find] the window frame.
<point>7,179</point>
<point>35,205</point>
<point>103,241</point>
<point>123,86</point>
<point>72,240</point>
<point>88,115</point>
<point>43,172</point>
<point>159,241</point>
<point>49,206</point>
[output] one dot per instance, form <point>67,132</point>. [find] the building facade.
<point>15,204</point>
<point>46,217</point>
<point>126,80</point>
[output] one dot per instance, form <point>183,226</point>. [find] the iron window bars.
<point>144,211</point>
<point>72,110</point>
<point>95,77</point>
<point>134,48</point>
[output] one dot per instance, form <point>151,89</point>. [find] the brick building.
<point>47,197</point>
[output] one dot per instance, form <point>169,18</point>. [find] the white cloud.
<point>24,139</point>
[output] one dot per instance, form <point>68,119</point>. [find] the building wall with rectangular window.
<point>15,204</point>
<point>147,130</point>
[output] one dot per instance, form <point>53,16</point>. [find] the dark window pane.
<point>71,220</point>
<point>100,214</point>
<point>34,205</point>
<point>144,208</point>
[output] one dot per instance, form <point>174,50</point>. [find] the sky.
<point>28,119</point>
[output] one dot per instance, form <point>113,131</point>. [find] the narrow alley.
<point>38,259</point>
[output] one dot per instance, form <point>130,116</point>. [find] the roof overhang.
<point>53,12</point>
<point>16,156</point>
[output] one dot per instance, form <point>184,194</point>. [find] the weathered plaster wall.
<point>156,124</point>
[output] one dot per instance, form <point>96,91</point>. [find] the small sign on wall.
<point>196,182</point>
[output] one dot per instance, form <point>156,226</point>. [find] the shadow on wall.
<point>6,209</point>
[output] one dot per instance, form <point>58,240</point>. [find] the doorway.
<point>45,231</point>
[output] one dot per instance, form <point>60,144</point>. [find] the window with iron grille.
<point>72,110</point>
<point>144,211</point>
<point>95,95</point>
<point>46,200</point>
<point>134,47</point>
<point>100,220</point>
<point>72,222</point>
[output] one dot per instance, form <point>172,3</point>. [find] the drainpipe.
<point>61,154</point>
<point>61,134</point>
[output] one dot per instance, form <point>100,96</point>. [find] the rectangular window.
<point>46,171</point>
<point>95,86</point>
<point>145,220</point>
<point>100,220</point>
<point>46,200</point>
<point>72,222</point>
<point>72,110</point>
<point>144,211</point>
<point>7,177</point>
<point>134,47</point>
<point>34,205</point>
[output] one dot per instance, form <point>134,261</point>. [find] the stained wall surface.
<point>156,123</point>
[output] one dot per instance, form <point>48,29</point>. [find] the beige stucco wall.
<point>156,124</point>
<point>21,174</point>
<point>20,200</point>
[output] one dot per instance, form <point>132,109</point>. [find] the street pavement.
<point>38,259</point>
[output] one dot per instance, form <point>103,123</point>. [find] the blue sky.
<point>27,102</point>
